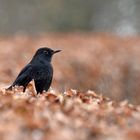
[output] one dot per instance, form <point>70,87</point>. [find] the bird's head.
<point>46,53</point>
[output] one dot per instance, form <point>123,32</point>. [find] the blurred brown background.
<point>99,39</point>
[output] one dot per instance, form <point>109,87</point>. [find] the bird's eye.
<point>45,52</point>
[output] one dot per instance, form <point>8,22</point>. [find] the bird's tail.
<point>9,88</point>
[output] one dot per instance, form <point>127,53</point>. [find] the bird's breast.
<point>43,71</point>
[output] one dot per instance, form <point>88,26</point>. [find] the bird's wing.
<point>25,76</point>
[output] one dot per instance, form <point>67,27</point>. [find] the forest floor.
<point>71,115</point>
<point>105,70</point>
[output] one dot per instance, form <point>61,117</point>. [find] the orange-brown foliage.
<point>106,64</point>
<point>65,116</point>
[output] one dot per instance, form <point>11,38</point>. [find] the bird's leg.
<point>24,88</point>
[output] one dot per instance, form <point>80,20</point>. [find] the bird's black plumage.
<point>39,69</point>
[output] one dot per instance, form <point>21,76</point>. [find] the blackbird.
<point>38,69</point>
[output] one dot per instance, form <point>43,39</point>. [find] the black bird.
<point>38,69</point>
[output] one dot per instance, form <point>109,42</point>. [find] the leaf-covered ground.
<point>71,115</point>
<point>104,63</point>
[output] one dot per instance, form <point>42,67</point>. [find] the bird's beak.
<point>57,51</point>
